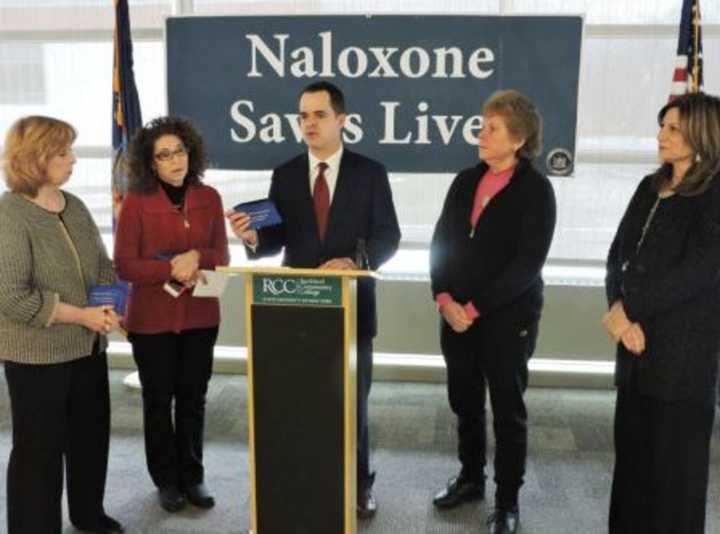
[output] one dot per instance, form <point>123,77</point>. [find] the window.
<point>627,61</point>
<point>22,74</point>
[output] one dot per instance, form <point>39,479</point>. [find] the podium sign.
<point>302,389</point>
<point>297,290</point>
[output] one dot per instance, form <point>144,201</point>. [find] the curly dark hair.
<point>141,154</point>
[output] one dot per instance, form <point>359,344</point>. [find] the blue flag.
<point>126,116</point>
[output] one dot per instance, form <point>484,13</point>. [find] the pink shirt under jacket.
<point>490,185</point>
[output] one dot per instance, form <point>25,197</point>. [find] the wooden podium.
<point>301,369</point>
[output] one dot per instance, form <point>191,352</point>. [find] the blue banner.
<point>413,85</point>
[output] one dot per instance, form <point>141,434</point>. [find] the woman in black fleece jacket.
<point>486,257</point>
<point>663,289</point>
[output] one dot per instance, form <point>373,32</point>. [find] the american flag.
<point>126,116</point>
<point>688,75</point>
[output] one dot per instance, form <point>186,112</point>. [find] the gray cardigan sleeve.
<point>20,300</point>
<point>106,274</point>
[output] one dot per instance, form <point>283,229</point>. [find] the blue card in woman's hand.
<point>114,295</point>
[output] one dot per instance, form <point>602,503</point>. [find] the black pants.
<point>662,458</point>
<point>364,381</point>
<point>490,357</point>
<point>174,367</point>
<point>57,410</point>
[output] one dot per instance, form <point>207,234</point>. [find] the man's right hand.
<point>240,224</point>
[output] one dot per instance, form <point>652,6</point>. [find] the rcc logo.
<point>279,286</point>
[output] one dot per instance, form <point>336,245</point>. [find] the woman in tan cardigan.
<point>52,342</point>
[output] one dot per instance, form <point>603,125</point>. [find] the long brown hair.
<point>700,128</point>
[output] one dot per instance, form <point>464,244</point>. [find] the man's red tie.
<point>321,199</point>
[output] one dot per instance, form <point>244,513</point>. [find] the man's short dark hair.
<point>337,99</point>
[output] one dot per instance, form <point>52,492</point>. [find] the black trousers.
<point>490,357</point>
<point>174,368</point>
<point>364,381</point>
<point>60,410</point>
<point>662,459</point>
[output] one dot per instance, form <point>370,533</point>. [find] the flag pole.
<point>126,119</point>
<point>696,56</point>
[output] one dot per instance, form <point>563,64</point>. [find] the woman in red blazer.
<point>170,227</point>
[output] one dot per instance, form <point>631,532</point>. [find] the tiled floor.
<point>413,436</point>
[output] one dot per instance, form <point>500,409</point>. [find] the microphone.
<point>361,257</point>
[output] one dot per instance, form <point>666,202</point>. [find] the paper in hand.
<point>210,284</point>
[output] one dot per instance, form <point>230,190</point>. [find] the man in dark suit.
<point>334,203</point>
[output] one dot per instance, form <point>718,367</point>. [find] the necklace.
<point>646,226</point>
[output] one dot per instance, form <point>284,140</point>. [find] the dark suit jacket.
<point>362,208</point>
<point>670,285</point>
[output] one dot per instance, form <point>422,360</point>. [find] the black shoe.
<point>366,504</point>
<point>106,525</point>
<point>503,522</point>
<point>199,495</point>
<point>459,490</point>
<point>171,499</point>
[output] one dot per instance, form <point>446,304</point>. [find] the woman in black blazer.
<point>486,256</point>
<point>663,289</point>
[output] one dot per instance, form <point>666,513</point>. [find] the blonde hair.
<point>29,144</point>
<point>521,118</point>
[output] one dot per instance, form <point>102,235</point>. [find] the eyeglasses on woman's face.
<point>166,155</point>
